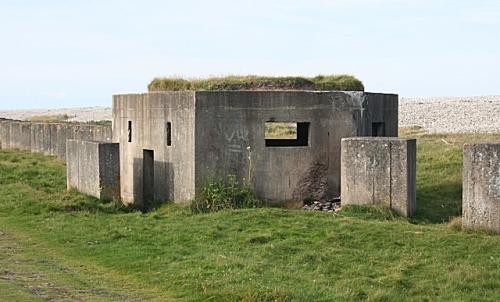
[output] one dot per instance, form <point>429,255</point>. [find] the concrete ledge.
<point>481,186</point>
<point>379,170</point>
<point>94,168</point>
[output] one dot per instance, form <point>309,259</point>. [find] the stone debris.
<point>328,206</point>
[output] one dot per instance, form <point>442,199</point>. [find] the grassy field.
<point>56,118</point>
<point>64,118</point>
<point>280,130</point>
<point>67,246</point>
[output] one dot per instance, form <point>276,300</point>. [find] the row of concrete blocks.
<point>373,171</point>
<point>48,138</point>
<point>383,171</point>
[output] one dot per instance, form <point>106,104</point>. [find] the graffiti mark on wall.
<point>236,135</point>
<point>234,148</point>
<point>236,138</point>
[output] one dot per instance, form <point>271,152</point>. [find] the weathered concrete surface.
<point>172,167</point>
<point>20,135</point>
<point>481,187</point>
<point>379,108</point>
<point>48,138</point>
<point>5,134</point>
<point>379,170</point>
<point>94,168</point>
<point>230,128</point>
<point>216,134</point>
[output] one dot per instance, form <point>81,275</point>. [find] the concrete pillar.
<point>379,170</point>
<point>25,135</point>
<point>15,135</point>
<point>94,168</point>
<point>481,186</point>
<point>5,134</point>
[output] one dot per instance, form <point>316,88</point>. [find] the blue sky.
<point>63,53</point>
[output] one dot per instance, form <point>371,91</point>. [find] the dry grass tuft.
<point>252,82</point>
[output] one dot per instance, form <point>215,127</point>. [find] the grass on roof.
<point>328,82</point>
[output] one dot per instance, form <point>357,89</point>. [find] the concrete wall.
<point>20,133</point>
<point>48,138</point>
<point>5,133</point>
<point>379,108</point>
<point>173,166</point>
<point>93,168</point>
<point>379,171</point>
<point>481,187</point>
<point>230,128</point>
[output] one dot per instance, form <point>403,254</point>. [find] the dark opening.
<point>148,175</point>
<point>129,131</point>
<point>378,129</point>
<point>280,134</point>
<point>169,134</point>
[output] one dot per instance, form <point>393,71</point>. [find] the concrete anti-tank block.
<point>481,186</point>
<point>379,170</point>
<point>5,134</point>
<point>94,168</point>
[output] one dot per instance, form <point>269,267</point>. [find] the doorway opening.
<point>148,175</point>
<point>378,129</point>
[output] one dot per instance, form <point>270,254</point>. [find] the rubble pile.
<point>329,206</point>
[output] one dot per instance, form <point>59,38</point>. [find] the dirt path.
<point>29,274</point>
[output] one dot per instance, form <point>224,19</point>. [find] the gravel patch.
<point>435,114</point>
<point>84,114</point>
<point>452,114</point>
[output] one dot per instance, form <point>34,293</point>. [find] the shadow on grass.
<point>438,203</point>
<point>150,206</point>
<point>372,212</point>
<point>74,201</point>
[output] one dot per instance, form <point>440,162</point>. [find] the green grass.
<point>95,251</point>
<point>99,123</point>
<point>219,194</point>
<point>439,173</point>
<point>12,292</point>
<point>329,82</point>
<point>64,118</point>
<point>55,118</point>
<point>280,130</point>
